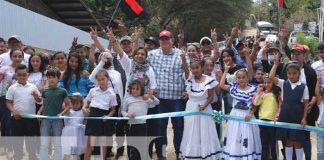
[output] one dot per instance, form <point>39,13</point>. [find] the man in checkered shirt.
<point>167,65</point>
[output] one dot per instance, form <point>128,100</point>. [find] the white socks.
<point>299,153</point>
<point>288,153</point>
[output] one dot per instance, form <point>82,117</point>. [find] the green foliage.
<point>311,42</point>
<point>196,18</point>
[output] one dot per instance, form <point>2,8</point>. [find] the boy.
<point>20,99</point>
<point>53,98</point>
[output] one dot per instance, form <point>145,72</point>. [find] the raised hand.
<point>110,35</point>
<point>121,25</point>
<point>75,41</point>
<point>226,37</point>
<point>235,30</point>
<point>136,34</point>
<point>213,35</point>
<point>181,35</point>
<point>93,33</point>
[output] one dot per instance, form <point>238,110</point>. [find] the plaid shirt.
<point>168,73</point>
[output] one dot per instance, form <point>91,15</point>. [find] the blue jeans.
<point>320,142</point>
<point>166,106</point>
<point>51,129</point>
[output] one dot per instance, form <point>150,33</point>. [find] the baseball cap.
<point>205,39</point>
<point>274,45</point>
<point>152,39</point>
<point>299,48</point>
<point>125,38</point>
<point>165,33</point>
<point>14,37</point>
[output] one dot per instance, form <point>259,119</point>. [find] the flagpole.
<point>113,15</point>
<point>278,14</point>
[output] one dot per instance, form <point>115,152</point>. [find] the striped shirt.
<point>168,73</point>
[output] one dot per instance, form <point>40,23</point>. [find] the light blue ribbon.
<point>218,116</point>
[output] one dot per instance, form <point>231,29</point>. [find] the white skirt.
<point>200,140</point>
<point>73,140</point>
<point>242,141</point>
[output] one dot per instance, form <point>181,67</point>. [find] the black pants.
<point>268,141</point>
<point>24,130</point>
<point>151,129</point>
<point>121,130</point>
<point>136,130</point>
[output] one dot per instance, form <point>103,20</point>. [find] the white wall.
<point>38,30</point>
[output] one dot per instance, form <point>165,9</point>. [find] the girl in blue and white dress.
<point>241,141</point>
<point>200,140</point>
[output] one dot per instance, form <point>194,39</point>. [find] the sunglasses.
<point>205,43</point>
<point>164,38</point>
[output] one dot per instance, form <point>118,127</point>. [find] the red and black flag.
<point>282,3</point>
<point>132,8</point>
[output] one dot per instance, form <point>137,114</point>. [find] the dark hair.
<point>53,72</point>
<point>293,66</point>
<point>259,69</point>
<point>209,59</point>
<point>102,71</point>
<point>27,47</point>
<point>13,50</point>
<point>41,67</point>
<point>136,82</point>
<point>197,61</point>
<point>2,40</point>
<point>79,46</point>
<point>20,67</point>
<point>230,52</point>
<point>58,52</point>
<point>137,49</point>
<point>68,71</point>
<point>196,47</point>
<point>275,90</point>
<point>77,98</point>
<point>320,46</point>
<point>45,59</point>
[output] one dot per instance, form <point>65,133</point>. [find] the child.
<point>199,135</point>
<point>320,121</point>
<point>54,97</point>
<point>75,79</point>
<point>75,128</point>
<point>101,101</point>
<point>267,98</point>
<point>59,61</point>
<point>36,69</point>
<point>242,141</point>
<point>135,105</point>
<point>293,108</point>
<point>21,98</point>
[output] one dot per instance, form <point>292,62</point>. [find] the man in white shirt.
<point>14,42</point>
<point>319,65</point>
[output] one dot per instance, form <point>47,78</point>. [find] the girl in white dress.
<point>241,141</point>
<point>200,140</point>
<point>73,133</point>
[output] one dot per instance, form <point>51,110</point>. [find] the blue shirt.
<point>168,73</point>
<point>83,87</point>
<point>239,59</point>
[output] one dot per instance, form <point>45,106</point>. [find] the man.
<point>3,47</point>
<point>209,46</point>
<point>14,42</point>
<point>127,45</point>
<point>151,43</point>
<point>166,63</point>
<point>238,45</point>
<point>308,77</point>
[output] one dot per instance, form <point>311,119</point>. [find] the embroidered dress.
<point>73,134</point>
<point>241,141</point>
<point>200,140</point>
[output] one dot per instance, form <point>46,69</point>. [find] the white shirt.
<point>115,77</point>
<point>22,98</point>
<point>293,86</point>
<point>302,77</point>
<point>5,59</point>
<point>318,66</point>
<point>126,63</point>
<point>102,99</point>
<point>37,79</point>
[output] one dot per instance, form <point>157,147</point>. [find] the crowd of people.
<point>126,79</point>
